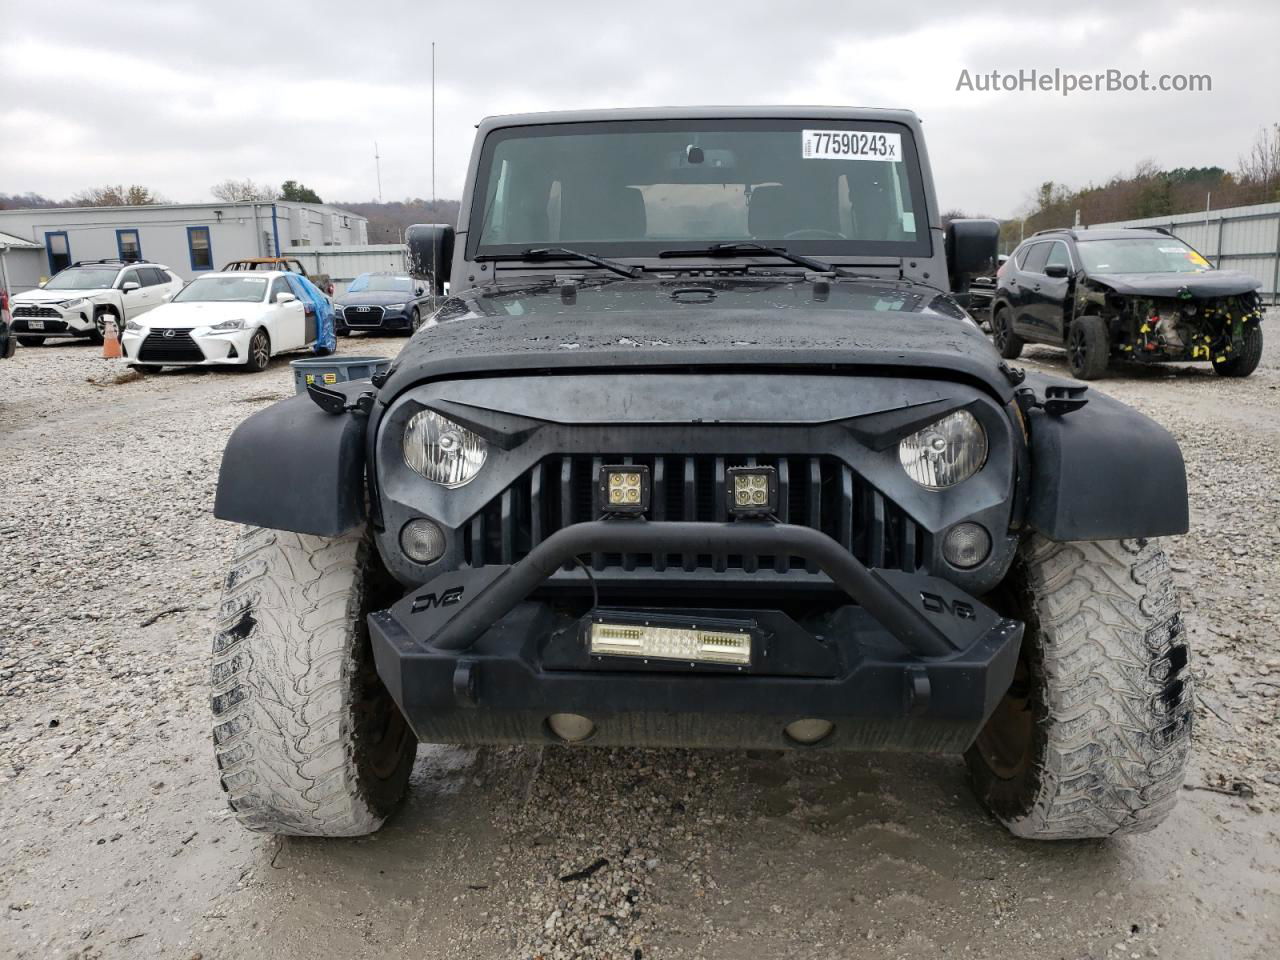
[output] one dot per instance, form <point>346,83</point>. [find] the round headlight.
<point>443,451</point>
<point>945,452</point>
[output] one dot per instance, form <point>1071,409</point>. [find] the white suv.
<point>77,301</point>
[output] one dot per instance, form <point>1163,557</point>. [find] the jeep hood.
<point>1199,286</point>
<point>775,323</point>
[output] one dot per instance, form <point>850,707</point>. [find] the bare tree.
<point>232,191</point>
<point>1260,168</point>
<point>117,195</point>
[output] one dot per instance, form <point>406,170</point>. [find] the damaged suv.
<point>1140,295</point>
<point>700,450</point>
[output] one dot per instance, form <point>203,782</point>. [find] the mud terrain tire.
<point>1094,734</point>
<point>308,740</point>
<point>1247,360</point>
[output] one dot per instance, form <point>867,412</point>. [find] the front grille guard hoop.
<point>867,588</point>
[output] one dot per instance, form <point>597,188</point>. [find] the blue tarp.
<point>308,292</point>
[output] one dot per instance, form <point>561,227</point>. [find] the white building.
<point>186,237</point>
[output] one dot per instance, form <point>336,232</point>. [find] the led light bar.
<point>751,491</point>
<point>656,642</point>
<point>624,489</point>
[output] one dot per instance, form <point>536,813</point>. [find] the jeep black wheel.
<point>1092,737</point>
<point>1246,360</point>
<point>1088,348</point>
<point>259,351</point>
<point>308,740</point>
<point>1007,342</point>
<point>30,341</point>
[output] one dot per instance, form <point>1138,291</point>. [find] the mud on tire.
<point>308,740</point>
<point>1093,736</point>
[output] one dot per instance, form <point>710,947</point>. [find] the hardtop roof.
<point>883,114</point>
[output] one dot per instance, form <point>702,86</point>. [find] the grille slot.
<point>169,346</point>
<point>23,310</point>
<point>815,491</point>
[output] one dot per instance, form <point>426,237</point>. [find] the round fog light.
<point>966,545</point>
<point>571,727</point>
<point>422,541</point>
<point>808,731</point>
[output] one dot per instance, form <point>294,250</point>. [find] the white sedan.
<point>222,319</point>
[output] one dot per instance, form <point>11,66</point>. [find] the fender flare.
<point>294,467</point>
<point>1104,472</point>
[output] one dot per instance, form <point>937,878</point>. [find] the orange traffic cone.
<point>111,340</point>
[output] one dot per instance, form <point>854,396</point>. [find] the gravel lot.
<point>118,843</point>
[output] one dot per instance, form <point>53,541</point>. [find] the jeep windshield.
<point>83,278</point>
<point>827,188</point>
<point>1140,255</point>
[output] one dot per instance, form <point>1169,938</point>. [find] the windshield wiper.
<point>733,249</point>
<point>563,253</point>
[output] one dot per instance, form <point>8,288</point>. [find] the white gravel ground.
<point>116,841</point>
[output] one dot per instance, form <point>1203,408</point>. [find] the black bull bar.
<point>468,639</point>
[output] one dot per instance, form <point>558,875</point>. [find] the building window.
<point>129,244</point>
<point>199,248</point>
<point>59,250</point>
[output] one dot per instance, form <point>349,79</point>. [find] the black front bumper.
<point>912,664</point>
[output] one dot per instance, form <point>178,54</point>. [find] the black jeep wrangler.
<point>701,450</point>
<point>1138,295</point>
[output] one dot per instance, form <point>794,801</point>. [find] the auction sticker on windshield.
<point>850,145</point>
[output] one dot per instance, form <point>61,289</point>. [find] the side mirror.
<point>971,247</point>
<point>430,253</point>
<point>1057,270</point>
<point>285,298</point>
<point>419,291</point>
<point>130,285</point>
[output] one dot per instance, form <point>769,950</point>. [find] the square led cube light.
<point>624,489</point>
<point>751,491</point>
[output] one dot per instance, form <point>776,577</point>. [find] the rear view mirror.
<point>285,298</point>
<point>1057,270</point>
<point>130,285</point>
<point>971,247</point>
<point>430,253</point>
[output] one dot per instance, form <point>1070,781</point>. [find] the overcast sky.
<point>178,95</point>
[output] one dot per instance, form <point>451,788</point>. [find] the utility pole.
<point>377,162</point>
<point>433,123</point>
